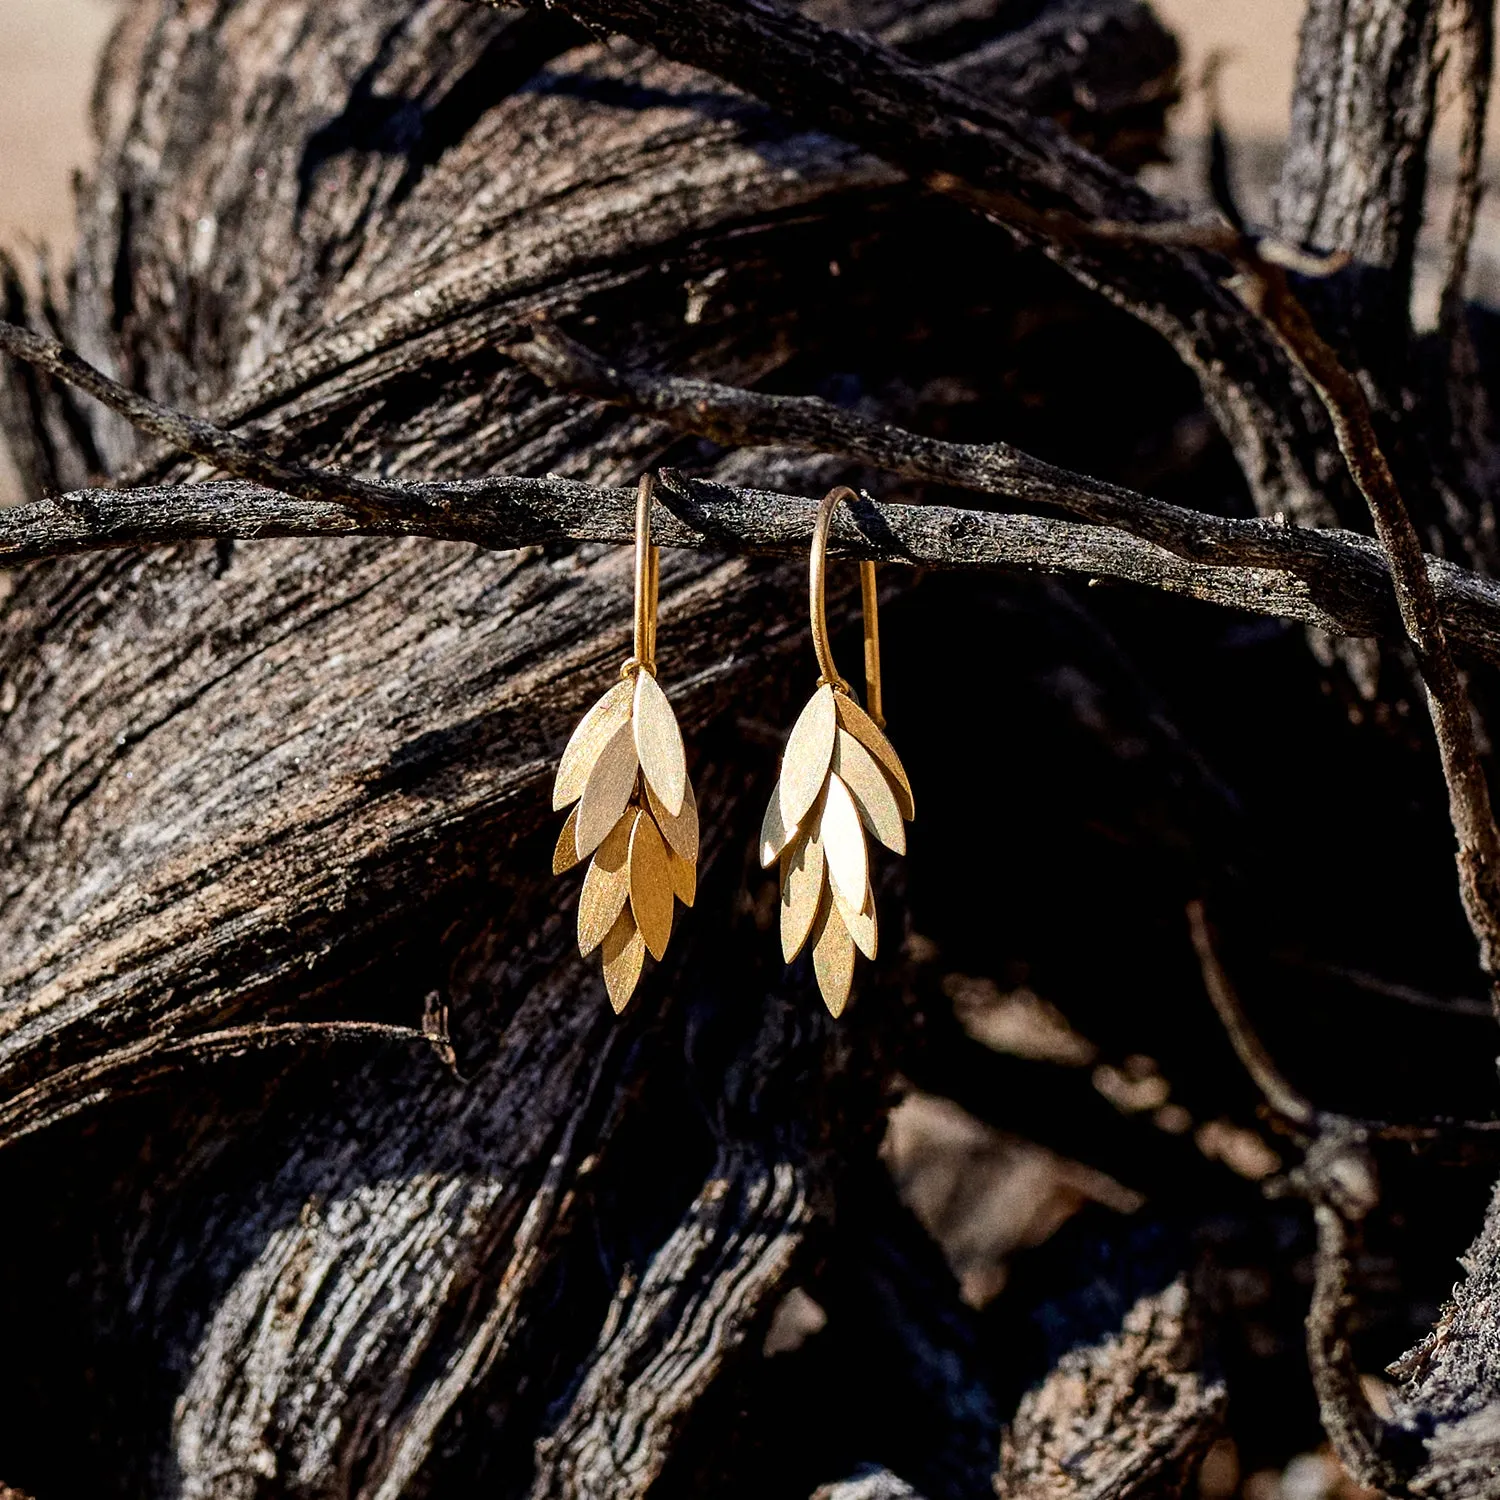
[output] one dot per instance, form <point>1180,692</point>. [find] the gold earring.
<point>635,814</point>
<point>838,772</point>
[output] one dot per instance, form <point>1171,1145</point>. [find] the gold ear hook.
<point>647,578</point>
<point>869,605</point>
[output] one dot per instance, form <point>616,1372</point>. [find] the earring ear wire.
<point>647,577</point>
<point>839,777</point>
<point>818,608</point>
<point>635,819</point>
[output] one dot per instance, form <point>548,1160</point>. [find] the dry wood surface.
<point>329,1170</point>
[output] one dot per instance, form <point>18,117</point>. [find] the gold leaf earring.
<point>839,777</point>
<point>635,813</point>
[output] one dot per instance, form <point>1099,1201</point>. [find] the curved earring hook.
<point>647,580</point>
<point>869,607</point>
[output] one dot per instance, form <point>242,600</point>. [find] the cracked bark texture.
<point>306,778</point>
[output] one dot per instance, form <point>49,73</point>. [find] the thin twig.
<point>1335,580</point>
<point>1304,1120</point>
<point>226,452</point>
<point>1279,1094</point>
<point>1340,583</point>
<point>1338,1176</point>
<point>738,418</point>
<point>1469,807</point>
<point>1382,1455</point>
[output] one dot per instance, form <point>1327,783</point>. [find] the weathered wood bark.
<point>269,235</point>
<point>1355,173</point>
<point>250,781</point>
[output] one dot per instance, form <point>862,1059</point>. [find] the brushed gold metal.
<point>658,742</point>
<point>566,854</point>
<point>625,769</point>
<point>869,614</point>
<point>681,832</point>
<point>647,560</point>
<point>839,775</point>
<point>809,753</point>
<point>774,834</point>
<point>606,887</point>
<point>684,877</point>
<point>858,723</point>
<point>833,957</point>
<point>654,590</point>
<point>607,791</point>
<point>872,793</point>
<point>650,886</point>
<point>861,923</point>
<point>818,606</point>
<point>817,569</point>
<point>595,730</point>
<point>624,952</point>
<point>844,843</point>
<point>802,878</point>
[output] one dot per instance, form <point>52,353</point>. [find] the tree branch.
<point>225,451</point>
<point>1338,1176</point>
<point>1335,580</point>
<point>1347,593</point>
<point>1469,807</point>
<point>742,418</point>
<point>853,86</point>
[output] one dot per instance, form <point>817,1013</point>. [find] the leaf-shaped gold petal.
<point>606,887</point>
<point>624,952</point>
<point>802,871</point>
<point>872,791</point>
<point>650,886</point>
<point>684,877</point>
<point>658,742</point>
<point>853,718</point>
<point>566,854</point>
<point>861,923</point>
<point>833,958</point>
<point>774,834</point>
<point>809,753</point>
<point>595,730</point>
<point>606,792</point>
<point>681,832</point>
<point>844,844</point>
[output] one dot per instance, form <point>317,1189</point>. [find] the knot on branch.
<point>1339,1171</point>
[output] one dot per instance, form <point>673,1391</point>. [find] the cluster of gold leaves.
<point>839,776</point>
<point>636,815</point>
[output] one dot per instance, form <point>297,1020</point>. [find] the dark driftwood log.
<point>306,776</point>
<point>254,784</point>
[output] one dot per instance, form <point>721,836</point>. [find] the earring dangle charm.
<point>635,818</point>
<point>839,777</point>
